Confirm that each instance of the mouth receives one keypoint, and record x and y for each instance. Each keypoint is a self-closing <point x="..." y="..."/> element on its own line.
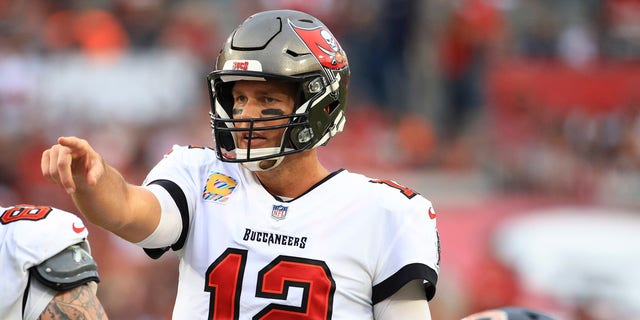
<point x="256" y="140"/>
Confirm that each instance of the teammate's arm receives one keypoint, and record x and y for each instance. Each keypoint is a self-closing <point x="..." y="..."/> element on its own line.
<point x="72" y="276"/>
<point x="99" y="191"/>
<point x="409" y="302"/>
<point x="77" y="303"/>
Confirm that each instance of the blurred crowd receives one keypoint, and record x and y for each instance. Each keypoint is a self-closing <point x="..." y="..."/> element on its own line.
<point x="455" y="86"/>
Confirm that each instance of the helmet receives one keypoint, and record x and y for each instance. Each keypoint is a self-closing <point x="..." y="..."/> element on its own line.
<point x="509" y="313"/>
<point x="281" y="45"/>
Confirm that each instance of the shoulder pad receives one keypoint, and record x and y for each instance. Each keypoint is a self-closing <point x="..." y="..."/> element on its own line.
<point x="68" y="269"/>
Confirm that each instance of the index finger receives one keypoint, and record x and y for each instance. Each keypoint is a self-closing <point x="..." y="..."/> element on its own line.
<point x="74" y="144"/>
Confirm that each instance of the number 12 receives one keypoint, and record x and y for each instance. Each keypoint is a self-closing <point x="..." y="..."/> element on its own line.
<point x="225" y="276"/>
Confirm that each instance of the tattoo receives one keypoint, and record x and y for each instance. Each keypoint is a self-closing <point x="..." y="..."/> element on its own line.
<point x="79" y="303"/>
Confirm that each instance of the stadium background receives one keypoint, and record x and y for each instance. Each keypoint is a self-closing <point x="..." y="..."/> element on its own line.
<point x="519" y="119"/>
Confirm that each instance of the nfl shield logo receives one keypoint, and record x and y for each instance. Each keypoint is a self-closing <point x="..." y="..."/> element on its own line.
<point x="279" y="212"/>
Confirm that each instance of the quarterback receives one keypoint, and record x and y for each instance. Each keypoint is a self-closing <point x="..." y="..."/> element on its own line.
<point x="262" y="229"/>
<point x="47" y="269"/>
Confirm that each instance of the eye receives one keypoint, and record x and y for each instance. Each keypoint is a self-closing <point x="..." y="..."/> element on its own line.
<point x="240" y="100"/>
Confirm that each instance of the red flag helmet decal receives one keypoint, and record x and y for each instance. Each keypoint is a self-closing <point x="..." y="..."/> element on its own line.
<point x="323" y="45"/>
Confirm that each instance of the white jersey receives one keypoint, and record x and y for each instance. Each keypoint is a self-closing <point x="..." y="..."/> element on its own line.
<point x="29" y="236"/>
<point x="332" y="253"/>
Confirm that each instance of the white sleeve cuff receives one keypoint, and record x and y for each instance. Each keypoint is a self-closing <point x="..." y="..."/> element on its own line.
<point x="409" y="302"/>
<point x="170" y="226"/>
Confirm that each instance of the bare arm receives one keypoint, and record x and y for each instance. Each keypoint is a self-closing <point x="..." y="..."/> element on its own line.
<point x="76" y="304"/>
<point x="99" y="191"/>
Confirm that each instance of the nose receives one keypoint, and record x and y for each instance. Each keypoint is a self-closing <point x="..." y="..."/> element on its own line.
<point x="248" y="110"/>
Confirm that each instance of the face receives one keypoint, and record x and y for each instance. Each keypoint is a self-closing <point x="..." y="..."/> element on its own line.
<point x="262" y="99"/>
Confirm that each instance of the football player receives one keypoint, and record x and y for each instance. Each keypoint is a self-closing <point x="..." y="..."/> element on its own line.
<point x="47" y="268"/>
<point x="263" y="230"/>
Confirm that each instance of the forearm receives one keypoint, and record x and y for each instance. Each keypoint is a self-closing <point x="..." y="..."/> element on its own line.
<point x="78" y="303"/>
<point x="127" y="210"/>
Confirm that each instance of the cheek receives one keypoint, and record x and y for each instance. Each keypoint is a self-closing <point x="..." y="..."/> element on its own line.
<point x="272" y="123"/>
<point x="274" y="135"/>
<point x="276" y="132"/>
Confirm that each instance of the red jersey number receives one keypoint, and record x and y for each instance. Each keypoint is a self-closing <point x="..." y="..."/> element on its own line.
<point x="409" y="193"/>
<point x="24" y="212"/>
<point x="224" y="281"/>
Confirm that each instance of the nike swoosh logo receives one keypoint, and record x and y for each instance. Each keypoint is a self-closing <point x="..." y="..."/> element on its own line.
<point x="432" y="213"/>
<point x="77" y="229"/>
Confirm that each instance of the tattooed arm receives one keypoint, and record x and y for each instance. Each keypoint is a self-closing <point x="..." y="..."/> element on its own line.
<point x="79" y="303"/>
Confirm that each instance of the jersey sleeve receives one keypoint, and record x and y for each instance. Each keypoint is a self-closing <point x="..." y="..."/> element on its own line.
<point x="38" y="239"/>
<point x="411" y="247"/>
<point x="30" y="236"/>
<point x="177" y="173"/>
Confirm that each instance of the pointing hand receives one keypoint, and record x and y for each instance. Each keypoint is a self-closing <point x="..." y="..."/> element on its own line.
<point x="72" y="162"/>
